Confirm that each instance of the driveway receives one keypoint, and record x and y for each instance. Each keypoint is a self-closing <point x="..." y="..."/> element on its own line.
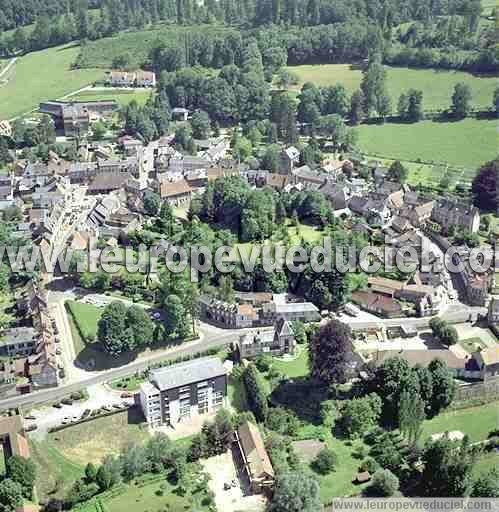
<point x="222" y="471"/>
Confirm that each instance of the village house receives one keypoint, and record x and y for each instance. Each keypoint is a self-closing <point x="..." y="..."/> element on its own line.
<point x="457" y="215"/>
<point x="488" y="362"/>
<point x="56" y="190"/>
<point x="255" y="459"/>
<point x="176" y="193"/>
<point x="310" y="179"/>
<point x="290" y="158"/>
<point x="235" y="316"/>
<point x="137" y="78"/>
<point x="276" y="342"/>
<point x="280" y="307"/>
<point x="179" y="393"/>
<point x="378" y="304"/>
<point x="18" y="342"/>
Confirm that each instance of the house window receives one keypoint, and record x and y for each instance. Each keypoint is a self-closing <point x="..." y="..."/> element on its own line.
<point x="218" y="399"/>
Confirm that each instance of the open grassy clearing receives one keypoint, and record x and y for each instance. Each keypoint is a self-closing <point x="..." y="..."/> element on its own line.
<point x="467" y="144"/>
<point x="485" y="463"/>
<point x="157" y="495"/>
<point x="93" y="440"/>
<point x="122" y="97"/>
<point x="55" y="472"/>
<point x="293" y="368"/>
<point x="136" y="45"/>
<point x="42" y="76"/>
<point x="437" y="86"/>
<point x="476" y="422"/>
<point x="86" y="317"/>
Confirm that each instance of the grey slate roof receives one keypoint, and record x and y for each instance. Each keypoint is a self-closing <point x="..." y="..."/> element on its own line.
<point x="187" y="373"/>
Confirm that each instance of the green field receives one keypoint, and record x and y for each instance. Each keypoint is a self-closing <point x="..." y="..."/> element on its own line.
<point x="437" y="86"/>
<point x="136" y="45"/>
<point x="122" y="97"/>
<point x="86" y="317"/>
<point x="476" y="422"/>
<point x="297" y="367"/>
<point x="468" y="143"/>
<point x="93" y="440"/>
<point x="41" y="76"/>
<point x="55" y="472"/>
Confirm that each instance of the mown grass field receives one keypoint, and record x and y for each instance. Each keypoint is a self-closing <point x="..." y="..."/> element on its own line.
<point x="476" y="422"/>
<point x="136" y="45"/>
<point x="41" y="76"/>
<point x="437" y="86"/>
<point x="122" y="97"/>
<point x="297" y="367"/>
<point x="86" y="317"/>
<point x="468" y="143"/>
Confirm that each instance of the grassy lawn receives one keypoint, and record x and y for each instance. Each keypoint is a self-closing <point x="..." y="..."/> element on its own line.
<point x="93" y="440"/>
<point x="237" y="394"/>
<point x="293" y="368"/>
<point x="151" y="493"/>
<point x="487" y="462"/>
<point x="55" y="472"/>
<point x="86" y="317"/>
<point x="468" y="143"/>
<point x="437" y="86"/>
<point x="339" y="482"/>
<point x="42" y="76"/>
<point x="151" y="497"/>
<point x="476" y="422"/>
<point x="127" y="384"/>
<point x="122" y="97"/>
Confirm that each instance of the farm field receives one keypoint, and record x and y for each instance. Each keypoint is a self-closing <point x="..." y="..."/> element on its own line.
<point x="468" y="143"/>
<point x="465" y="420"/>
<point x="122" y="97"/>
<point x="40" y="76"/>
<point x="136" y="45"/>
<point x="437" y="86"/>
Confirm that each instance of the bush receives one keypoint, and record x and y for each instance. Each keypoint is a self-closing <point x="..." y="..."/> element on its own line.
<point x="325" y="462"/>
<point x="369" y="465"/>
<point x="263" y="363"/>
<point x="384" y="484"/>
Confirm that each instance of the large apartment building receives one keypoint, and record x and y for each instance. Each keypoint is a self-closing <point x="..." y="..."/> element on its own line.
<point x="184" y="391"/>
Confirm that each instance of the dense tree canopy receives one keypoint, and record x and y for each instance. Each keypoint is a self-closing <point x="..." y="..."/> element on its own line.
<point x="330" y="348"/>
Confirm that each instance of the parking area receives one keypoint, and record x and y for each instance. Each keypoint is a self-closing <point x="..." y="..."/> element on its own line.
<point x="227" y="487"/>
<point x="48" y="417"/>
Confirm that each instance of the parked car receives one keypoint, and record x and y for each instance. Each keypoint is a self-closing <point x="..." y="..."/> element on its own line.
<point x="31" y="427"/>
<point x="30" y="417"/>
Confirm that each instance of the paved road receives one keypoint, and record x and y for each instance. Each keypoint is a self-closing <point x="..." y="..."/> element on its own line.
<point x="209" y="341"/>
